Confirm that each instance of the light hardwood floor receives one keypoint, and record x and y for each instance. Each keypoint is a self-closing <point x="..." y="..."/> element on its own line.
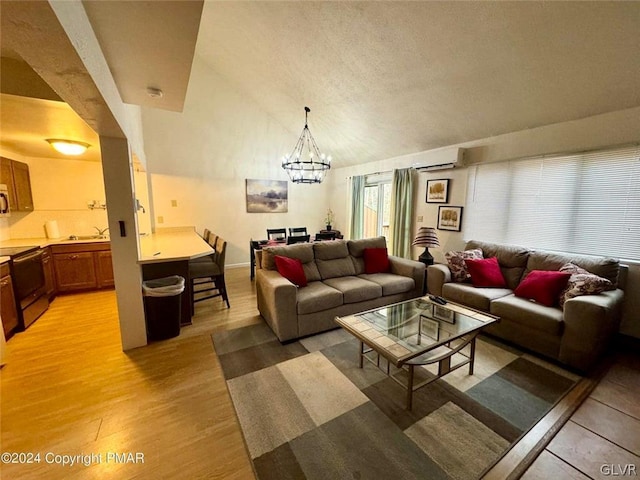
<point x="67" y="388"/>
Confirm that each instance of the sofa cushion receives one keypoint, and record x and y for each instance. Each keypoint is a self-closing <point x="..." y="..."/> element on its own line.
<point x="582" y="282"/>
<point x="512" y="259"/>
<point x="390" y="283"/>
<point x="376" y="260"/>
<point x="543" y="286"/>
<point x="356" y="250"/>
<point x="529" y="314"/>
<point x="291" y="269"/>
<point x="602" y="266"/>
<point x="332" y="259"/>
<point x="455" y="261"/>
<point x="317" y="296"/>
<point x="302" y="251"/>
<point x="485" y="272"/>
<point x="355" y="289"/>
<point x="478" y="298"/>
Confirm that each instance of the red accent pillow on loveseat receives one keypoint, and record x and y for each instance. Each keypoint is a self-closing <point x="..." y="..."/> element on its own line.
<point x="291" y="269"/>
<point x="376" y="260"/>
<point x="543" y="286"/>
<point x="485" y="273"/>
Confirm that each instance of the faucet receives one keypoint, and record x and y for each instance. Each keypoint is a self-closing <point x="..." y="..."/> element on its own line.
<point x="102" y="233"/>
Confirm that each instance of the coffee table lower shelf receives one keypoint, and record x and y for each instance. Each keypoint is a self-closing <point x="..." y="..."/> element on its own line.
<point x="441" y="355"/>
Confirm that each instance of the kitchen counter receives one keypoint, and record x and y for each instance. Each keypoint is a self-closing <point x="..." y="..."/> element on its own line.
<point x="43" y="242"/>
<point x="172" y="246"/>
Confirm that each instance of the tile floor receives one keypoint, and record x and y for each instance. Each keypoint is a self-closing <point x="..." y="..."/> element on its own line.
<point x="602" y="438"/>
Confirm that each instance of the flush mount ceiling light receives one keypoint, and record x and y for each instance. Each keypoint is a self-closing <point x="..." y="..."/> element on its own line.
<point x="68" y="147"/>
<point x="155" y="92"/>
<point x="306" y="164"/>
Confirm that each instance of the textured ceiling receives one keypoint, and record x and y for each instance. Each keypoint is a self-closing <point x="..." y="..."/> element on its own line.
<point x="384" y="79"/>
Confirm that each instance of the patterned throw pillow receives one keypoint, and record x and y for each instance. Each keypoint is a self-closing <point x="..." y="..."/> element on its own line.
<point x="582" y="282"/>
<point x="455" y="260"/>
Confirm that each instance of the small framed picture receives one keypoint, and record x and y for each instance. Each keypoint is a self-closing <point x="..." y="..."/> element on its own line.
<point x="438" y="191"/>
<point x="429" y="327"/>
<point x="443" y="314"/>
<point x="450" y="218"/>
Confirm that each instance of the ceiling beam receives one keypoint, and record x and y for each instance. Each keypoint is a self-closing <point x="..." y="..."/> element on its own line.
<point x="32" y="30"/>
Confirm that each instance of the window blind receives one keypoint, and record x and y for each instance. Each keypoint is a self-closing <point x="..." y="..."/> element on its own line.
<point x="582" y="203"/>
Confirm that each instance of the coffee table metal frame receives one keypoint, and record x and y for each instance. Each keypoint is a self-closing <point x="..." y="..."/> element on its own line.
<point x="440" y="352"/>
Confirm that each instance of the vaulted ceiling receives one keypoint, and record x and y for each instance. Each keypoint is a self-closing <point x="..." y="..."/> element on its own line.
<point x="389" y="78"/>
<point x="385" y="78"/>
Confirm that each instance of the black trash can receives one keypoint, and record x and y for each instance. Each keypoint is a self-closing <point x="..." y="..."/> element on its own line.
<point x="162" y="306"/>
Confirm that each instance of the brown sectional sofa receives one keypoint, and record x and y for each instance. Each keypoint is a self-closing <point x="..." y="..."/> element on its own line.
<point x="337" y="285"/>
<point x="575" y="335"/>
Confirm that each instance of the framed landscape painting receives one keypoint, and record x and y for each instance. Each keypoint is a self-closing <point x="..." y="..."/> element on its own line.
<point x="449" y="218"/>
<point x="267" y="196"/>
<point x="438" y="191"/>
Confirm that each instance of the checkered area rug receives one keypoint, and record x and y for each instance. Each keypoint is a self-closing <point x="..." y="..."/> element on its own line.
<point x="307" y="411"/>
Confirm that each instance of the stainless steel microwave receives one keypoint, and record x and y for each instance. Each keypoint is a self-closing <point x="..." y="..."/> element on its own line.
<point x="4" y="201"/>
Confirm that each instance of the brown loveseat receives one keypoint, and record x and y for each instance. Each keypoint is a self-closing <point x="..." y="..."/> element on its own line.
<point x="576" y="334"/>
<point x="337" y="285"/>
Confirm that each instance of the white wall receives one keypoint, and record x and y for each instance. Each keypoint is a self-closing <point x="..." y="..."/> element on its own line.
<point x="224" y="139"/>
<point x="61" y="190"/>
<point x="600" y="131"/>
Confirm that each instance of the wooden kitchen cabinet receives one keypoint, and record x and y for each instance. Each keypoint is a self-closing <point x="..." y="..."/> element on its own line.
<point x="16" y="176"/>
<point x="7" y="302"/>
<point x="104" y="269"/>
<point x="82" y="266"/>
<point x="49" y="275"/>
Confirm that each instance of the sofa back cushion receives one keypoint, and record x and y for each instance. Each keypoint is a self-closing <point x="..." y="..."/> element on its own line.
<point x="602" y="266"/>
<point x="332" y="259"/>
<point x="512" y="259"/>
<point x="301" y="251"/>
<point x="356" y="250"/>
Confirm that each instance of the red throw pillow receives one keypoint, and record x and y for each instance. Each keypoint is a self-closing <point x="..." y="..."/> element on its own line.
<point x="485" y="272"/>
<point x="376" y="260"/>
<point x="543" y="286"/>
<point x="291" y="269"/>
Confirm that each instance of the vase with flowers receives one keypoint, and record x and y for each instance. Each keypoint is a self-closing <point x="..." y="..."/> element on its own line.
<point x="328" y="220"/>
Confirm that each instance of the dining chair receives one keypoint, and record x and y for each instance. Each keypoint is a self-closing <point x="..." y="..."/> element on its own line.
<point x="297" y="231"/>
<point x="210" y="272"/>
<point x="291" y="239"/>
<point x="320" y="236"/>
<point x="276" y="233"/>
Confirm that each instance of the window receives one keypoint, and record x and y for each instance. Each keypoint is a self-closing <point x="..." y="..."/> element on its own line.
<point x="584" y="203"/>
<point x="377" y="206"/>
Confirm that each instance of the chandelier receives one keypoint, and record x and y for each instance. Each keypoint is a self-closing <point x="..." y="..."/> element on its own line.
<point x="306" y="164"/>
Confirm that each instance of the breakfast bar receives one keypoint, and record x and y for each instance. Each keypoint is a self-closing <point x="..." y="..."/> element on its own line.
<point x="167" y="252"/>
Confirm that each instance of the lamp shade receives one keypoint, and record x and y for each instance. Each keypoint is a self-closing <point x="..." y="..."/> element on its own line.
<point x="426" y="237"/>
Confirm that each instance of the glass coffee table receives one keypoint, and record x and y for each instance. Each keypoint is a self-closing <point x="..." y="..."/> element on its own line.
<point x="415" y="333"/>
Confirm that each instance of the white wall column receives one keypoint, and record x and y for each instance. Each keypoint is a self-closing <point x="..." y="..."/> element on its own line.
<point x="118" y="182"/>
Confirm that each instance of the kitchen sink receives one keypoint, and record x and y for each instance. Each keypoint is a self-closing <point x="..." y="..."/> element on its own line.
<point x="88" y="237"/>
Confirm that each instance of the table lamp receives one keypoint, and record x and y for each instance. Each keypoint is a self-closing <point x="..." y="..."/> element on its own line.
<point x="426" y="237"/>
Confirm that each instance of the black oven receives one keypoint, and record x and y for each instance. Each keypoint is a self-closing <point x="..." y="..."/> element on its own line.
<point x="27" y="274"/>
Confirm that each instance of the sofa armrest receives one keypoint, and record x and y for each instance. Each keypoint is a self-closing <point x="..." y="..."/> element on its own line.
<point x="590" y="321"/>
<point x="437" y="276"/>
<point x="409" y="268"/>
<point x="277" y="303"/>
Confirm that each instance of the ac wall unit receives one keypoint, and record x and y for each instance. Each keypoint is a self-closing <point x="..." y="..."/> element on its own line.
<point x="442" y="160"/>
